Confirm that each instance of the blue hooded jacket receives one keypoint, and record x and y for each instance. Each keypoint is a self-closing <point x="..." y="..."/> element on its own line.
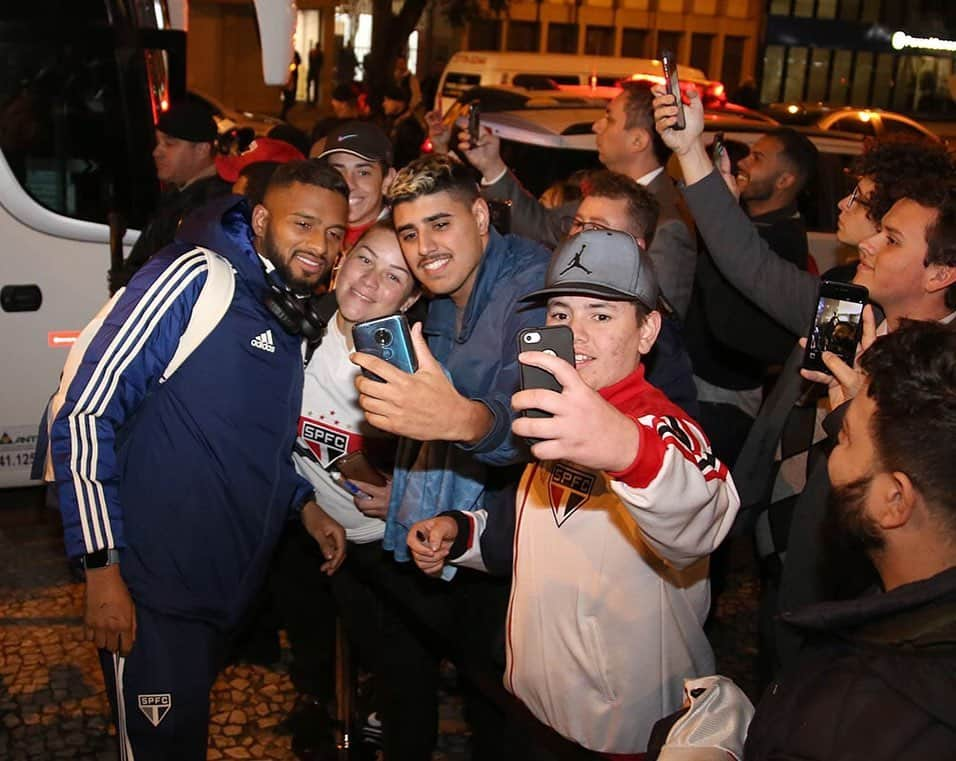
<point x="192" y="478"/>
<point x="481" y="357"/>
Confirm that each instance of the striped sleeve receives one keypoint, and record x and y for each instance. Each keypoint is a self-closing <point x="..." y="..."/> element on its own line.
<point x="681" y="496"/>
<point x="121" y="365"/>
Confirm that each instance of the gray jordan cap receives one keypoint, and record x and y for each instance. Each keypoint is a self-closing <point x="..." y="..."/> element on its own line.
<point x="603" y="263"/>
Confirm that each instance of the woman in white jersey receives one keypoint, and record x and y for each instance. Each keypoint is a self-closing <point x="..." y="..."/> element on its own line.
<point x="373" y="281"/>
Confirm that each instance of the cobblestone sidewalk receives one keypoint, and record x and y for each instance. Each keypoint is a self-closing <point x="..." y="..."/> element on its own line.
<point x="53" y="705"/>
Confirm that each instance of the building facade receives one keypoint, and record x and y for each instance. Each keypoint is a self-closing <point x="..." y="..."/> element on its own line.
<point x="893" y="54"/>
<point x="720" y="37"/>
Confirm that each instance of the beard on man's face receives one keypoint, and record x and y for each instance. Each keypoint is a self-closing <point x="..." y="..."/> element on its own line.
<point x="847" y="527"/>
<point x="283" y="265"/>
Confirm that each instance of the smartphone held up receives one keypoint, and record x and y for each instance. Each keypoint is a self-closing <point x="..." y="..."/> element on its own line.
<point x="837" y="324"/>
<point x="672" y="85"/>
<point x="558" y="341"/>
<point x="388" y="338"/>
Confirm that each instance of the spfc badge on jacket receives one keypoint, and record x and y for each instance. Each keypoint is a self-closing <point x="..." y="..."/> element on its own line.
<point x="155" y="707"/>
<point x="568" y="489"/>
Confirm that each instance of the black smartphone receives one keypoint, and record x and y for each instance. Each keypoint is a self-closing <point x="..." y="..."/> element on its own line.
<point x="718" y="149"/>
<point x="672" y="85"/>
<point x="388" y="338"/>
<point x="837" y="324"/>
<point x="474" y="123"/>
<point x="500" y="212"/>
<point x="557" y="340"/>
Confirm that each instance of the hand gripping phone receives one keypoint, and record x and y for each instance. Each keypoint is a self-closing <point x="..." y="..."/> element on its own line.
<point x="387" y="338"/>
<point x="558" y="341"/>
<point x="837" y="324"/>
<point x="672" y="85"/>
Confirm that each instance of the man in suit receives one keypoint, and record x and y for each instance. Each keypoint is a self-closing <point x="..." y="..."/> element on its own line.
<point x="628" y="144"/>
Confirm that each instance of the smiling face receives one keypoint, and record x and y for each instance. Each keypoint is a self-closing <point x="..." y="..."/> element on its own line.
<point x="374" y="280"/>
<point x="443" y="239"/>
<point x="892" y="260"/>
<point x="853" y="224"/>
<point x="608" y="341"/>
<point x="300" y="228"/>
<point x="759" y="170"/>
<point x="367" y="181"/>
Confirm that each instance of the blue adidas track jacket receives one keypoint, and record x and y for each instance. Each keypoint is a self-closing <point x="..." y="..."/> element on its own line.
<point x="192" y="479"/>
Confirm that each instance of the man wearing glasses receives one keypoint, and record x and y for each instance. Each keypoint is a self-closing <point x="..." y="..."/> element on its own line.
<point x="781" y="477"/>
<point x="613" y="201"/>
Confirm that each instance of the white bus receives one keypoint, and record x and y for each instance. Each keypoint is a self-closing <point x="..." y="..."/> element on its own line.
<point x="81" y="85"/>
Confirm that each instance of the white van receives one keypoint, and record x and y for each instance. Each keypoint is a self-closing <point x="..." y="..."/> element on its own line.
<point x="468" y="69"/>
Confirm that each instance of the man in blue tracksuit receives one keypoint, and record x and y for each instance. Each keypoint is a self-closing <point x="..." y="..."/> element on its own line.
<point x="174" y="491"/>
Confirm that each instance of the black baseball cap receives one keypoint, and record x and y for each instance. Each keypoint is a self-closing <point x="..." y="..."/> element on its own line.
<point x="363" y="139"/>
<point x="188" y="120"/>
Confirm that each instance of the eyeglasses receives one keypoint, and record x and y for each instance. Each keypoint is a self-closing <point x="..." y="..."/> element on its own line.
<point x="854" y="197"/>
<point x="575" y="225"/>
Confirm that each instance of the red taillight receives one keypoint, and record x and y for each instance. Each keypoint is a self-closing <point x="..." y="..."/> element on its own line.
<point x="717" y="90"/>
<point x="427" y="146"/>
<point x="164" y="105"/>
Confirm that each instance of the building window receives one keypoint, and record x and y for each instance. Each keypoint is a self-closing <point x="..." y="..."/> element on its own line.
<point x="780" y="7"/>
<point x="883" y="81"/>
<point x="862" y="73"/>
<point x="523" y="36"/>
<point x="732" y="65"/>
<point x="803" y="8"/>
<point x="633" y="42"/>
<point x="849" y="10"/>
<point x="599" y="40"/>
<point x="562" y="38"/>
<point x="796" y="74"/>
<point x="840" y="77"/>
<point x="668" y="41"/>
<point x="701" y="46"/>
<point x="772" y="74"/>
<point x="819" y="74"/>
<point x="871" y="10"/>
<point x="826" y="8"/>
<point x="484" y="34"/>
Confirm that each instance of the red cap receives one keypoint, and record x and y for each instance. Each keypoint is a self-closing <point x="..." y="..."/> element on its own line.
<point x="260" y="149"/>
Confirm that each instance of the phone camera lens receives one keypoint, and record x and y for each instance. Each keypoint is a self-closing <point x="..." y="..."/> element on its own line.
<point x="383" y="337"/>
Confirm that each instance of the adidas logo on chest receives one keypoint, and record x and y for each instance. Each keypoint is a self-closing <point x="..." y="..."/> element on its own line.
<point x="264" y="341"/>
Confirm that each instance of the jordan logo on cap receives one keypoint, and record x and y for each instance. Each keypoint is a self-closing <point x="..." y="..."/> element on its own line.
<point x="576" y="262"/>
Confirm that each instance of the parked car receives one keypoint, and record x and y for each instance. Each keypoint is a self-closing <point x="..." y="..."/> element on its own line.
<point x="545" y="145"/>
<point x="868" y="122"/>
<point x="468" y="69"/>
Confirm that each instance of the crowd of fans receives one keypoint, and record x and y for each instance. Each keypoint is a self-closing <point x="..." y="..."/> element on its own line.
<point x="554" y="545"/>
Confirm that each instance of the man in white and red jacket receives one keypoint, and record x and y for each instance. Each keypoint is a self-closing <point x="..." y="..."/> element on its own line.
<point x="609" y="533"/>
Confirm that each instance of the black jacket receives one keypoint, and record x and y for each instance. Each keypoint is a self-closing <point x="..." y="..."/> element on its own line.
<point x="877" y="680"/>
<point x="731" y="341"/>
<point x="161" y="229"/>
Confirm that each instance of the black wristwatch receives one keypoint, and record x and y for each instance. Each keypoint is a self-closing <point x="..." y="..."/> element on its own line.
<point x="101" y="559"/>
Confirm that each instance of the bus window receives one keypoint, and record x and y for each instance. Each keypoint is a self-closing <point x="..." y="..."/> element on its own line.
<point x="65" y="127"/>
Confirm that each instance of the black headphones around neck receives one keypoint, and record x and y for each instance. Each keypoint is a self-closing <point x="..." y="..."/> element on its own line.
<point x="297" y="315"/>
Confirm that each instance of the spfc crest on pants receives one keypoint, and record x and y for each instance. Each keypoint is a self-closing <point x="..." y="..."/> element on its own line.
<point x="568" y="489"/>
<point x="155" y="707"/>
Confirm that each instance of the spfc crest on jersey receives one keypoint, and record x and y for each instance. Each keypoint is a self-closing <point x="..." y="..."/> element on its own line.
<point x="155" y="707"/>
<point x="568" y="489"/>
<point x="325" y="441"/>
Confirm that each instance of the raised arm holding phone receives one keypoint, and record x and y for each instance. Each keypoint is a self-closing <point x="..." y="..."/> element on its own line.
<point x="609" y="530"/>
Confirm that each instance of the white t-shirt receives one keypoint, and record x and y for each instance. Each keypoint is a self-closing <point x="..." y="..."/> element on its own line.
<point x="331" y="425"/>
